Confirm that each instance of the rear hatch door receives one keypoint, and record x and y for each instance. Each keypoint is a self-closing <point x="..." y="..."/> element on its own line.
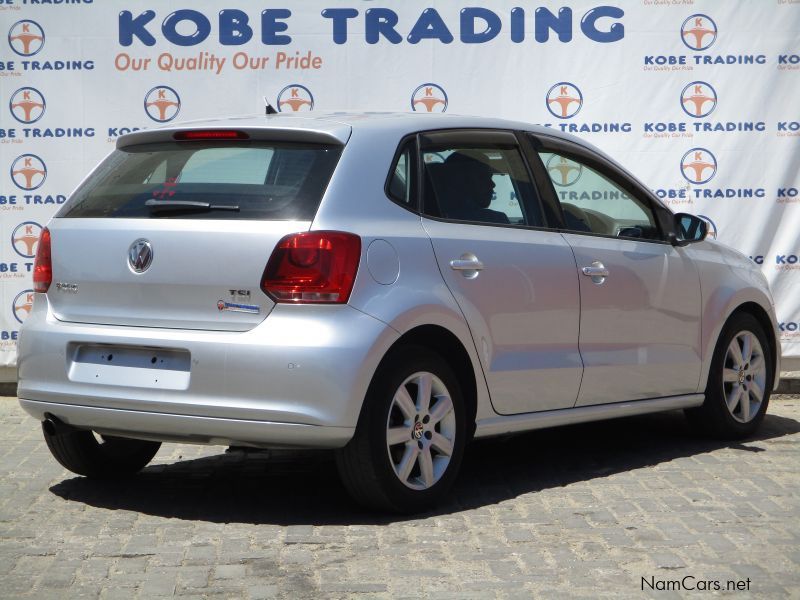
<point x="177" y="233"/>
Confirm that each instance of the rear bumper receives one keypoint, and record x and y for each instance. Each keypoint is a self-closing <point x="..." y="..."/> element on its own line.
<point x="297" y="379"/>
<point x="191" y="429"/>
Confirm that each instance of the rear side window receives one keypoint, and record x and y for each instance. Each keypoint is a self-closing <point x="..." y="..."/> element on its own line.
<point x="479" y="185"/>
<point x="201" y="180"/>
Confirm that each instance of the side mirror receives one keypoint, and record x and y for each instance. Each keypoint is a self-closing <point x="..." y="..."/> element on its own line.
<point x="688" y="229"/>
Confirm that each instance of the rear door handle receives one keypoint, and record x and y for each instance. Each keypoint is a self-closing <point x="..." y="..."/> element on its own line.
<point x="468" y="264"/>
<point x="598" y="272"/>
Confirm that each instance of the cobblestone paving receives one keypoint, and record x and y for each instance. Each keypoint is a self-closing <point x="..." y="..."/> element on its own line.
<point x="584" y="511"/>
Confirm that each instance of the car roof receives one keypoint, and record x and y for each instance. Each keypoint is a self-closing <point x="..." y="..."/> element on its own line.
<point x="337" y="126"/>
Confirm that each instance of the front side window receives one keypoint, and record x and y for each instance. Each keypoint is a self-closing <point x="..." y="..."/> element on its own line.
<point x="482" y="185"/>
<point x="593" y="203"/>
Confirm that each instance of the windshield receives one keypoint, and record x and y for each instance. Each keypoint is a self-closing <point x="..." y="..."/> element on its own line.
<point x="237" y="180"/>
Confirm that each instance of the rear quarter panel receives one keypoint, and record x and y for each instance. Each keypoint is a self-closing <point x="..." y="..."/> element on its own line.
<point x="407" y="293"/>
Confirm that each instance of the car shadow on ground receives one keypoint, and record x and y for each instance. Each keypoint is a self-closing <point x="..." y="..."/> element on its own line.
<point x="291" y="488"/>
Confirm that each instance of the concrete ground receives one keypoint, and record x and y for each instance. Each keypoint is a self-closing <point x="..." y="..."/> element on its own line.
<point x="633" y="508"/>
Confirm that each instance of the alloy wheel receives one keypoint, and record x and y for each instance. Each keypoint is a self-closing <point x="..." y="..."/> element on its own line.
<point x="420" y="430"/>
<point x="744" y="376"/>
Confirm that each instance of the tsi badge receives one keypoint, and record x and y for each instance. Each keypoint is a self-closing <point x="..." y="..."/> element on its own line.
<point x="238" y="302"/>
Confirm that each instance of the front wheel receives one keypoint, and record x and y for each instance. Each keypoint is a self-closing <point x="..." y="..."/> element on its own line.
<point x="410" y="438"/>
<point x="739" y="381"/>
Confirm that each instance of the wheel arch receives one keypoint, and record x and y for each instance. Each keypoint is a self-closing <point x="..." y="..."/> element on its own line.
<point x="764" y="318"/>
<point x="447" y="345"/>
<point x="757" y="311"/>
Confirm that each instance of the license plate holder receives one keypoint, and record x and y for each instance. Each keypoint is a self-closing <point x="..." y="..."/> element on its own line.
<point x="131" y="366"/>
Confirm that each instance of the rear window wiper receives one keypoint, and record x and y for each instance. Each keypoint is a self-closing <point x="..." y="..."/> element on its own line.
<point x="187" y="205"/>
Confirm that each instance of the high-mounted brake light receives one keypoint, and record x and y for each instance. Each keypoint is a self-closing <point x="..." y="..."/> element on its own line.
<point x="42" y="264"/>
<point x="210" y="134"/>
<point x="313" y="267"/>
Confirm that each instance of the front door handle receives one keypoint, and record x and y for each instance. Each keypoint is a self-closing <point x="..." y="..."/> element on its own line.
<point x="468" y="264"/>
<point x="598" y="272"/>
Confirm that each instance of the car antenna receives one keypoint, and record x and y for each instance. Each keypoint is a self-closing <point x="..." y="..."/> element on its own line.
<point x="270" y="109"/>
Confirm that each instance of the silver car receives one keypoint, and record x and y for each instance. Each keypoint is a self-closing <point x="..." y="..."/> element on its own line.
<point x="390" y="286"/>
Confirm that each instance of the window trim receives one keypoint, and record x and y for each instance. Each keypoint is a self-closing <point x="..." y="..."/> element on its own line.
<point x="545" y="143"/>
<point x="479" y="138"/>
<point x="542" y="182"/>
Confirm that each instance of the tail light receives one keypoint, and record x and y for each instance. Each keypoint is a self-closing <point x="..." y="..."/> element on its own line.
<point x="313" y="267"/>
<point x="43" y="265"/>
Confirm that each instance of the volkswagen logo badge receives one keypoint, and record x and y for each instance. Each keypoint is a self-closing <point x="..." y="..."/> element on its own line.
<point x="140" y="256"/>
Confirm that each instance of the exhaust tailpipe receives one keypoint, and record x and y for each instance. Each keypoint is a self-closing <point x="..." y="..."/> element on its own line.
<point x="54" y="426"/>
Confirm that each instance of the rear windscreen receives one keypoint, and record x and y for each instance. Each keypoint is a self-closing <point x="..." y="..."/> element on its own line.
<point x="207" y="180"/>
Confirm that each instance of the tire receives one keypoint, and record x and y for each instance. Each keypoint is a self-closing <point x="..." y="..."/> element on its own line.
<point x="739" y="383"/>
<point x="384" y="466"/>
<point x="113" y="457"/>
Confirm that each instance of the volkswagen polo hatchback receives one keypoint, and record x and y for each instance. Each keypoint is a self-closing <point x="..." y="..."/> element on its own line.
<point x="389" y="286"/>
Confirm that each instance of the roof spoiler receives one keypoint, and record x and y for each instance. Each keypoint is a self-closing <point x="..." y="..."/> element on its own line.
<point x="294" y="131"/>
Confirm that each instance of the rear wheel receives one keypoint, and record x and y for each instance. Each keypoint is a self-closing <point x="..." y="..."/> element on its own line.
<point x="100" y="457"/>
<point x="410" y="438"/>
<point x="739" y="381"/>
